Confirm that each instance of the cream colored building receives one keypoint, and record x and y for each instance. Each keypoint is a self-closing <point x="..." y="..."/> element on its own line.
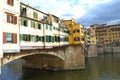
<point x="38" y="29"/>
<point x="9" y="10"/>
<point x="1" y="38"/>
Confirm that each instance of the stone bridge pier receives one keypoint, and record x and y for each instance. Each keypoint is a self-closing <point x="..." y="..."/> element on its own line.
<point x="58" y="58"/>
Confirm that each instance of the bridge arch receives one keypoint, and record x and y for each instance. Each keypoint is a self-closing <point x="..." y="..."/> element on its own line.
<point x="44" y="61"/>
<point x="41" y="60"/>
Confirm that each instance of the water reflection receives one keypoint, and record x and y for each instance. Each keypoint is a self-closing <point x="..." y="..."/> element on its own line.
<point x="11" y="71"/>
<point x="105" y="67"/>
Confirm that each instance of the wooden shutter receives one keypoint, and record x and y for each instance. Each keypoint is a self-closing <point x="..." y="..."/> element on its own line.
<point x="8" y="20"/>
<point x="12" y="2"/>
<point x="8" y="1"/>
<point x="14" y="20"/>
<point x="14" y="38"/>
<point x="4" y="37"/>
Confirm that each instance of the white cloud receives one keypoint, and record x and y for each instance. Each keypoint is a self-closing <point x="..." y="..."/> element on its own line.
<point x="76" y="8"/>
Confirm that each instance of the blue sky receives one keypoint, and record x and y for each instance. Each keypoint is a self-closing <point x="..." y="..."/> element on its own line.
<point x="86" y="12"/>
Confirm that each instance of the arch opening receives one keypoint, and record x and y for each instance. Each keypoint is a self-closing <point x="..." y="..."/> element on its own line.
<point x="44" y="61"/>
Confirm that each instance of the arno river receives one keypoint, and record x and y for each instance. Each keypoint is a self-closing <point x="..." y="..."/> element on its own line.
<point x="104" y="67"/>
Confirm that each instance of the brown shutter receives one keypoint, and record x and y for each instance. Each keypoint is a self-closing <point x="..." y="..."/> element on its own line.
<point x="4" y="37"/>
<point x="8" y="18"/>
<point x="8" y="1"/>
<point x="12" y="2"/>
<point x="14" y="20"/>
<point x="14" y="38"/>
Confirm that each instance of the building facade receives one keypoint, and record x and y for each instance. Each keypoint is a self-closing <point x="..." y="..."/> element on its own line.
<point x="87" y="36"/>
<point x="108" y="34"/>
<point x="92" y="35"/>
<point x="40" y="30"/>
<point x="76" y="32"/>
<point x="9" y="26"/>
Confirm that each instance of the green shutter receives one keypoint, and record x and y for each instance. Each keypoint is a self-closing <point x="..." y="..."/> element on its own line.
<point x="43" y="39"/>
<point x="46" y="26"/>
<point x="29" y="37"/>
<point x="37" y="38"/>
<point x="47" y="38"/>
<point x="51" y="28"/>
<point x="32" y="24"/>
<point x="21" y="37"/>
<point x="53" y="39"/>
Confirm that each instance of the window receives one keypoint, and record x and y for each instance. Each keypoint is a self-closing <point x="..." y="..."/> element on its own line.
<point x="43" y="39"/>
<point x="76" y="31"/>
<point x="51" y="28"/>
<point x="23" y="11"/>
<point x="54" y="28"/>
<point x="24" y="22"/>
<point x="46" y="26"/>
<point x="10" y="2"/>
<point x="32" y="24"/>
<point x="38" y="38"/>
<point x="26" y="37"/>
<point x="9" y="37"/>
<point x="11" y="19"/>
<point x="47" y="38"/>
<point x="35" y="15"/>
<point x="45" y="17"/>
<point x="39" y="26"/>
<point x="76" y="39"/>
<point x="32" y="38"/>
<point x="56" y="39"/>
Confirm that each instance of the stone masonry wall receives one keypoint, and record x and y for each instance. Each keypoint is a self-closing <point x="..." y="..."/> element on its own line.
<point x="92" y="51"/>
<point x="75" y="58"/>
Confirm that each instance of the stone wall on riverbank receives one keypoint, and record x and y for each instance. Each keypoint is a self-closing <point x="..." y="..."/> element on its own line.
<point x="108" y="49"/>
<point x="94" y="50"/>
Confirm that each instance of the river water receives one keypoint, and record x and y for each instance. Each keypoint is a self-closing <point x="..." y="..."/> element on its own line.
<point x="104" y="67"/>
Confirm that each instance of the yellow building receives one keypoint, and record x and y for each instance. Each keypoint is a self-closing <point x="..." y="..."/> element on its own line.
<point x="76" y="32"/>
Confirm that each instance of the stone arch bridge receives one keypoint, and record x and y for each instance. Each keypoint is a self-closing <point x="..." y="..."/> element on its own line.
<point x="61" y="58"/>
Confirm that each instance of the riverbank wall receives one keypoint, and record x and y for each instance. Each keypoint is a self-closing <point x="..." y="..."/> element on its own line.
<point x="94" y="50"/>
<point x="108" y="49"/>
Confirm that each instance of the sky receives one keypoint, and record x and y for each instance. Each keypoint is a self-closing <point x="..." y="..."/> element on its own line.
<point x="86" y="12"/>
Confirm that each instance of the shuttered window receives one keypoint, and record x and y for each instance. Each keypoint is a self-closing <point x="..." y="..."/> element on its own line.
<point x="37" y="38"/>
<point x="53" y="39"/>
<point x="43" y="39"/>
<point x="47" y="38"/>
<point x="21" y="37"/>
<point x="10" y="2"/>
<point x="11" y="19"/>
<point x="39" y="26"/>
<point x="35" y="15"/>
<point x="9" y="37"/>
<point x="32" y="24"/>
<point x="46" y="27"/>
<point x="24" y="22"/>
